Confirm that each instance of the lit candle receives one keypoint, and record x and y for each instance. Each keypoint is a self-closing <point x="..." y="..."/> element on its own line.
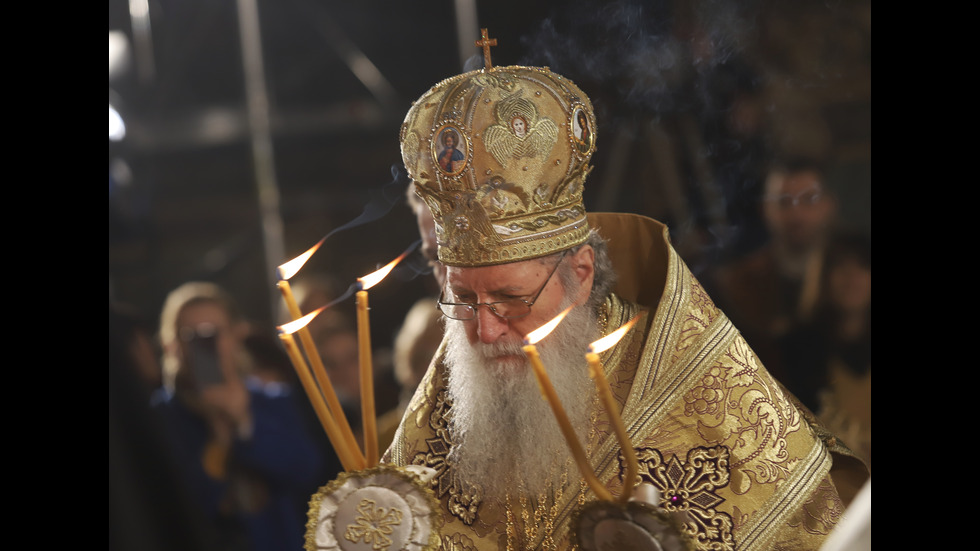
<point x="369" y="421"/>
<point x="367" y="380"/>
<point x="548" y="393"/>
<point x="605" y="394"/>
<point x="287" y="271"/>
<point x="349" y="458"/>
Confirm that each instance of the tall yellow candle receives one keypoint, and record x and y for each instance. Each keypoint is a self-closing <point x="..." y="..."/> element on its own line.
<point x="346" y="455"/>
<point x="605" y="394"/>
<point x="548" y="393"/>
<point x="368" y="420"/>
<point x="322" y="378"/>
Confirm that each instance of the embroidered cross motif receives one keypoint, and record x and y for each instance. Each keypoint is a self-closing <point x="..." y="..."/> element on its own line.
<point x="373" y="525"/>
<point x="691" y="486"/>
<point x="463" y="503"/>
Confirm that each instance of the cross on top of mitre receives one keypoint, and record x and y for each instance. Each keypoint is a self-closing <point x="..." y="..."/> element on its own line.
<point x="485" y="42"/>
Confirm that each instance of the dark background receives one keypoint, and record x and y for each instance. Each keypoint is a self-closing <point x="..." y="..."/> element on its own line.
<point x="665" y="79"/>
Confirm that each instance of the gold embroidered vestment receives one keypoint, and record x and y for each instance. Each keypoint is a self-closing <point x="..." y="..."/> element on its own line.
<point x="713" y="431"/>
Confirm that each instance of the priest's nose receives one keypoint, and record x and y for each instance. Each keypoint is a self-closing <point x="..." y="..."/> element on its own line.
<point x="490" y="326"/>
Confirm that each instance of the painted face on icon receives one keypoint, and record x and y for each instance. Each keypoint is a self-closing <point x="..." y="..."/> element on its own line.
<point x="449" y="140"/>
<point x="519" y="126"/>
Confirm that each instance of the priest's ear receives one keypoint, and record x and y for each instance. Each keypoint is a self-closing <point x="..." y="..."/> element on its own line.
<point x="582" y="264"/>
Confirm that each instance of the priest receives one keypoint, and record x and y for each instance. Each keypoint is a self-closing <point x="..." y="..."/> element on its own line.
<point x="723" y="442"/>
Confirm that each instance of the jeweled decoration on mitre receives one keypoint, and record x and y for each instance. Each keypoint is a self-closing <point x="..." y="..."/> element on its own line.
<point x="500" y="156"/>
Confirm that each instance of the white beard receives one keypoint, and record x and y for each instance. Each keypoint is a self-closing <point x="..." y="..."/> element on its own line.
<point x="505" y="432"/>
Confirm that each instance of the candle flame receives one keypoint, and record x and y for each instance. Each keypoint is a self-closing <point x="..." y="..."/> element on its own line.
<point x="607" y="342"/>
<point x="375" y="277"/>
<point x="289" y="269"/>
<point x="296" y="325"/>
<point x="541" y="332"/>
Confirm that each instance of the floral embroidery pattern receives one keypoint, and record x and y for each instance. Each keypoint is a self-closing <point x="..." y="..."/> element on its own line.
<point x="737" y="408"/>
<point x="821" y="511"/>
<point x="692" y="486"/>
<point x="699" y="316"/>
<point x="373" y="525"/>
<point x="462" y="503"/>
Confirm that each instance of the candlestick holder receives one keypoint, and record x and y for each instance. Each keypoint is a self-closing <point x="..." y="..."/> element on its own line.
<point x="383" y="507"/>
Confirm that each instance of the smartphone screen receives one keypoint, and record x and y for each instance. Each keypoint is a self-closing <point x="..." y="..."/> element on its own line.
<point x="203" y="352"/>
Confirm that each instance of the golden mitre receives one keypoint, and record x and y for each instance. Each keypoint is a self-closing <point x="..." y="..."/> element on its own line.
<point x="500" y="156"/>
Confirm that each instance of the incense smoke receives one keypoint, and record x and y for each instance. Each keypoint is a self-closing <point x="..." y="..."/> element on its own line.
<point x="671" y="69"/>
<point x="642" y="56"/>
<point x="380" y="202"/>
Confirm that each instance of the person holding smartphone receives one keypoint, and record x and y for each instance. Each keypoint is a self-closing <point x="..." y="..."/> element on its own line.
<point x="244" y="444"/>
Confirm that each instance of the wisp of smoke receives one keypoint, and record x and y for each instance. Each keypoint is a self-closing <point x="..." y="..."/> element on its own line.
<point x="380" y="203"/>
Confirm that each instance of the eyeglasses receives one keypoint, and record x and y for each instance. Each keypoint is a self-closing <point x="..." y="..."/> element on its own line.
<point x="508" y="309"/>
<point x="786" y="200"/>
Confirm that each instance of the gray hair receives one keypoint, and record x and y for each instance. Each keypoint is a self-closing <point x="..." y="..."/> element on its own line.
<point x="604" y="278"/>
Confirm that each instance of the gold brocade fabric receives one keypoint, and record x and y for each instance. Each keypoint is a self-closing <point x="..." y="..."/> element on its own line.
<point x="500" y="156"/>
<point x="711" y="428"/>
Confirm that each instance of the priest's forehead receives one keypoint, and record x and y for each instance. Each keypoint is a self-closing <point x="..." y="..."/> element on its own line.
<point x="511" y="279"/>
